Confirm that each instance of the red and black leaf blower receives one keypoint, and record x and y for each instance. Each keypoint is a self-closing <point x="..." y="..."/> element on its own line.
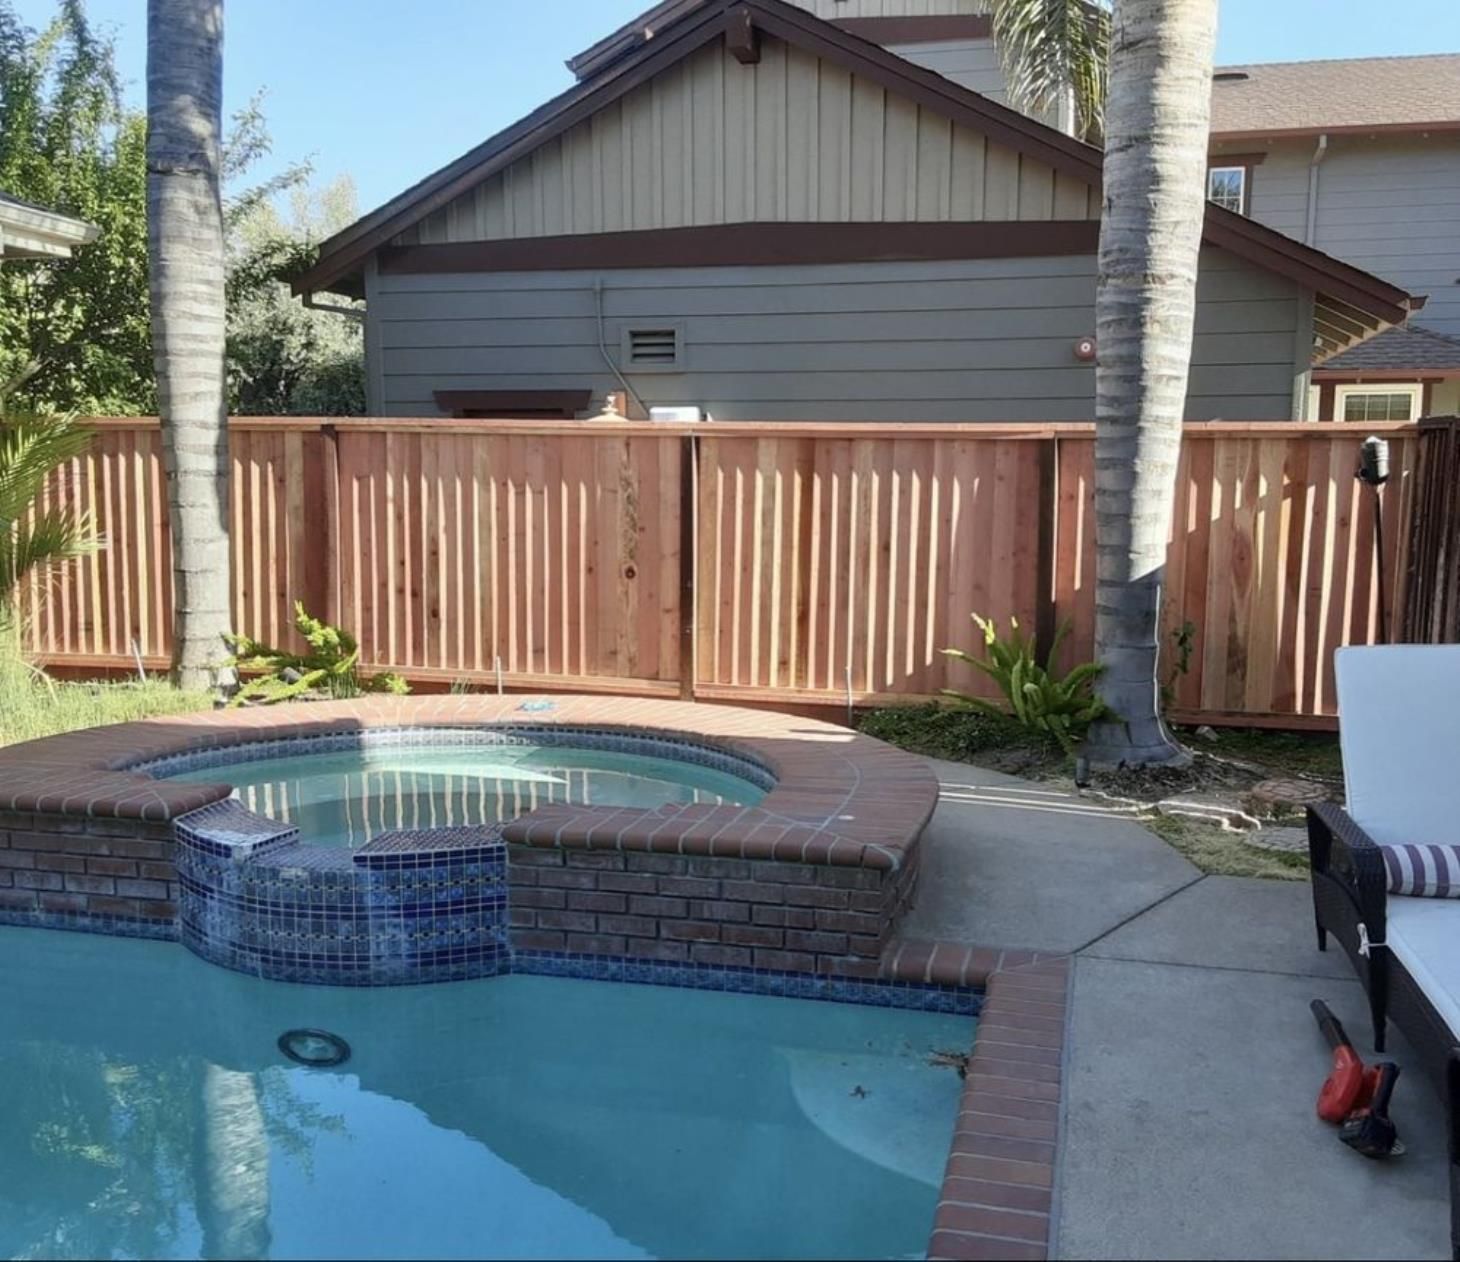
<point x="1355" y="1097"/>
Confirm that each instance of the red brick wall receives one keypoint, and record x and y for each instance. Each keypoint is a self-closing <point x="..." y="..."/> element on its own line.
<point x="792" y="916"/>
<point x="53" y="864"/>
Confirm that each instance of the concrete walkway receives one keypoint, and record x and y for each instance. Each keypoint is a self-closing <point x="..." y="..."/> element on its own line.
<point x="1193" y="1061"/>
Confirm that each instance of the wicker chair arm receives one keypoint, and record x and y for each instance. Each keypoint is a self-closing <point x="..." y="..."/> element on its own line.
<point x="1341" y="849"/>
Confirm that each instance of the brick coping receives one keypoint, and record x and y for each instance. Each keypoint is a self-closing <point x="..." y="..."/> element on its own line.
<point x="998" y="1186"/>
<point x="840" y="798"/>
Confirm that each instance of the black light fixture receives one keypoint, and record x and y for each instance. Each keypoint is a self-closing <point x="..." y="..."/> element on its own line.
<point x="1374" y="461"/>
<point x="1373" y="472"/>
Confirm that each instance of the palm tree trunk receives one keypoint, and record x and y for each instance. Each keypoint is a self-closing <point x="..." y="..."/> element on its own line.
<point x="185" y="251"/>
<point x="1156" y="126"/>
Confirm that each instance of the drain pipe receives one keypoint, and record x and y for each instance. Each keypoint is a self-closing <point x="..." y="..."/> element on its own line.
<point x="629" y="391"/>
<point x="1320" y="151"/>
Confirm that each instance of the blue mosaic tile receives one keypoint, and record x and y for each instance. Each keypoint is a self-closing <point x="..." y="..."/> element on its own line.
<point x="954" y="1000"/>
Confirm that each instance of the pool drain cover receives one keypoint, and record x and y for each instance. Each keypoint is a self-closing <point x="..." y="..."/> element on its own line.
<point x="317" y="1048"/>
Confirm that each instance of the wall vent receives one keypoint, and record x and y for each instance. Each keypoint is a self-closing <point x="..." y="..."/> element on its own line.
<point x="650" y="348"/>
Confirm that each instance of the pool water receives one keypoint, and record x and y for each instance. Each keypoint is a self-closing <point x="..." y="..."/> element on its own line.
<point x="348" y="798"/>
<point x="145" y="1111"/>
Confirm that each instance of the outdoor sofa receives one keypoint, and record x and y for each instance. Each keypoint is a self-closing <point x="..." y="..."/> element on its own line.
<point x="1399" y="727"/>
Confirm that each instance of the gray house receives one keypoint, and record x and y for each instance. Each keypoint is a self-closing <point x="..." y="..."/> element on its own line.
<point x="1361" y="159"/>
<point x="814" y="212"/>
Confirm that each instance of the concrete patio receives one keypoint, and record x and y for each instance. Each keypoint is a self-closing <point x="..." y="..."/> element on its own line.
<point x="1192" y="1061"/>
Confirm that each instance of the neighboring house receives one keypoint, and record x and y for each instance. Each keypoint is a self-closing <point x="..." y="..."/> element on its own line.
<point x="1360" y="159"/>
<point x="754" y="210"/>
<point x="28" y="231"/>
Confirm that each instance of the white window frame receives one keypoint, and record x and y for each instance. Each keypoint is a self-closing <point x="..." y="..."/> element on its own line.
<point x="1414" y="389"/>
<point x="1241" y="207"/>
<point x="1315" y="402"/>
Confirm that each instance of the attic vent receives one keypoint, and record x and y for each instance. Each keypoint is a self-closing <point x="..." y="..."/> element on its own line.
<point x="658" y="347"/>
<point x="1231" y="76"/>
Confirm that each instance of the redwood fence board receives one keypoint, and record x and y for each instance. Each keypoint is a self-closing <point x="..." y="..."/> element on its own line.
<point x="816" y="559"/>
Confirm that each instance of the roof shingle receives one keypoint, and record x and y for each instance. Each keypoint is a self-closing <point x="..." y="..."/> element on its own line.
<point x="1402" y="349"/>
<point x="1350" y="94"/>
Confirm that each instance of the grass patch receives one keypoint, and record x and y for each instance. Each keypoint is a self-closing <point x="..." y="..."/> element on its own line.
<point x="1280" y="753"/>
<point x="33" y="706"/>
<point x="954" y="734"/>
<point x="1220" y="853"/>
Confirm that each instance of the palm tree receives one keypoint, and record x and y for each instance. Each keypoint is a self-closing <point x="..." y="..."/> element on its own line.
<point x="1156" y="126"/>
<point x="1055" y="55"/>
<point x="36" y="539"/>
<point x="185" y="252"/>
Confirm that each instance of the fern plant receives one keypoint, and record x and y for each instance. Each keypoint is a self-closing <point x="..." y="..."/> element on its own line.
<point x="330" y="668"/>
<point x="1061" y="708"/>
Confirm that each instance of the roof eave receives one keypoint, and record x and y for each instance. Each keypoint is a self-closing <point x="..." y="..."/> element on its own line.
<point x="1341" y="129"/>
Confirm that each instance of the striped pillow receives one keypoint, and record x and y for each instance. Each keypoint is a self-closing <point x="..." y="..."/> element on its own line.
<point x="1427" y="871"/>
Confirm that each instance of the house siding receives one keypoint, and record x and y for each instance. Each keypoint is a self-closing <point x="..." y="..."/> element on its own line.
<point x="789" y="139"/>
<point x="970" y="340"/>
<point x="1390" y="206"/>
<point x="971" y="63"/>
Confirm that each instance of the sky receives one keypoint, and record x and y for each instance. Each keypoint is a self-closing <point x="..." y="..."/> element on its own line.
<point x="387" y="91"/>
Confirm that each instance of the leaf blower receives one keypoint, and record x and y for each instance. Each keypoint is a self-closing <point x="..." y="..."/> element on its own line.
<point x="1355" y="1097"/>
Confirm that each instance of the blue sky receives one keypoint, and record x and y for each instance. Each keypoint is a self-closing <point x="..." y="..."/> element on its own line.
<point x="388" y="91"/>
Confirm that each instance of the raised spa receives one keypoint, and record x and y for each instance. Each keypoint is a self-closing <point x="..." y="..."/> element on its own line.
<point x="349" y="797"/>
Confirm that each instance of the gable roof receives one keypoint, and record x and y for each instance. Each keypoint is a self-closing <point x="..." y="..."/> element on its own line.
<point x="1411" y="351"/>
<point x="1350" y="95"/>
<point x="1366" y="300"/>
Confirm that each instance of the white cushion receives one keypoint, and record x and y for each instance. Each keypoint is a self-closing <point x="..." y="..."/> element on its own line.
<point x="1424" y="935"/>
<point x="1399" y="725"/>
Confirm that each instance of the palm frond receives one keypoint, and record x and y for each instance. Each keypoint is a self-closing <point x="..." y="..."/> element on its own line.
<point x="31" y="449"/>
<point x="1050" y="47"/>
<point x="40" y="543"/>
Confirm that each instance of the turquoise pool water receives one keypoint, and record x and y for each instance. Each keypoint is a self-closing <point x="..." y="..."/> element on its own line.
<point x="348" y="798"/>
<point x="145" y="1111"/>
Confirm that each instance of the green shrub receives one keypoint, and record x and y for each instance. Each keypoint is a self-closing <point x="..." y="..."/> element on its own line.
<point x="1063" y="708"/>
<point x="330" y="668"/>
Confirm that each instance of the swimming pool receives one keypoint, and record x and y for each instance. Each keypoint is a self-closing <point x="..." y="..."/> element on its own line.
<point x="347" y="798"/>
<point x="149" y="1113"/>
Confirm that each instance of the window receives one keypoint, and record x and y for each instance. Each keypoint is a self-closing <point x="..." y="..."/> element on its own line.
<point x="653" y="348"/>
<point x="1377" y="403"/>
<point x="1227" y="187"/>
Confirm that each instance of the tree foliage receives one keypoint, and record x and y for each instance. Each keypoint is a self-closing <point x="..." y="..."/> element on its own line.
<point x="67" y="143"/>
<point x="79" y="329"/>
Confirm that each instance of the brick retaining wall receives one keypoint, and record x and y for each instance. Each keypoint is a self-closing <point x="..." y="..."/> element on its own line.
<point x="698" y="909"/>
<point x="114" y="873"/>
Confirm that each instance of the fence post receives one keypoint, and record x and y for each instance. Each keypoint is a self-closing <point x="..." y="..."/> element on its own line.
<point x="688" y="602"/>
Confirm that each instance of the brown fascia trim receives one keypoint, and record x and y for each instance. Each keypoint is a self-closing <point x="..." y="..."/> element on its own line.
<point x="346" y="249"/>
<point x="1345" y="376"/>
<point x="629" y="36"/>
<point x="1311" y="268"/>
<point x="751" y="245"/>
<point x="342" y="252"/>
<point x="918" y="30"/>
<point x="1346" y="129"/>
<point x="1244" y="237"/>
<point x="569" y="401"/>
<point x="1216" y="159"/>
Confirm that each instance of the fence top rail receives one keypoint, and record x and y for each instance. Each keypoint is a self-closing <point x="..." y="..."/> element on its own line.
<point x="929" y="430"/>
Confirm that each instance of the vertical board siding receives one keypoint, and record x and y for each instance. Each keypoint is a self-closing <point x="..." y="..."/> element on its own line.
<point x="791" y="138"/>
<point x="824" y="557"/>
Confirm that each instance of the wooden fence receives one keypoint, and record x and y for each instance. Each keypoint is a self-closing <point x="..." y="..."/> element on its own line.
<point x="1432" y="607"/>
<point x="789" y="563"/>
